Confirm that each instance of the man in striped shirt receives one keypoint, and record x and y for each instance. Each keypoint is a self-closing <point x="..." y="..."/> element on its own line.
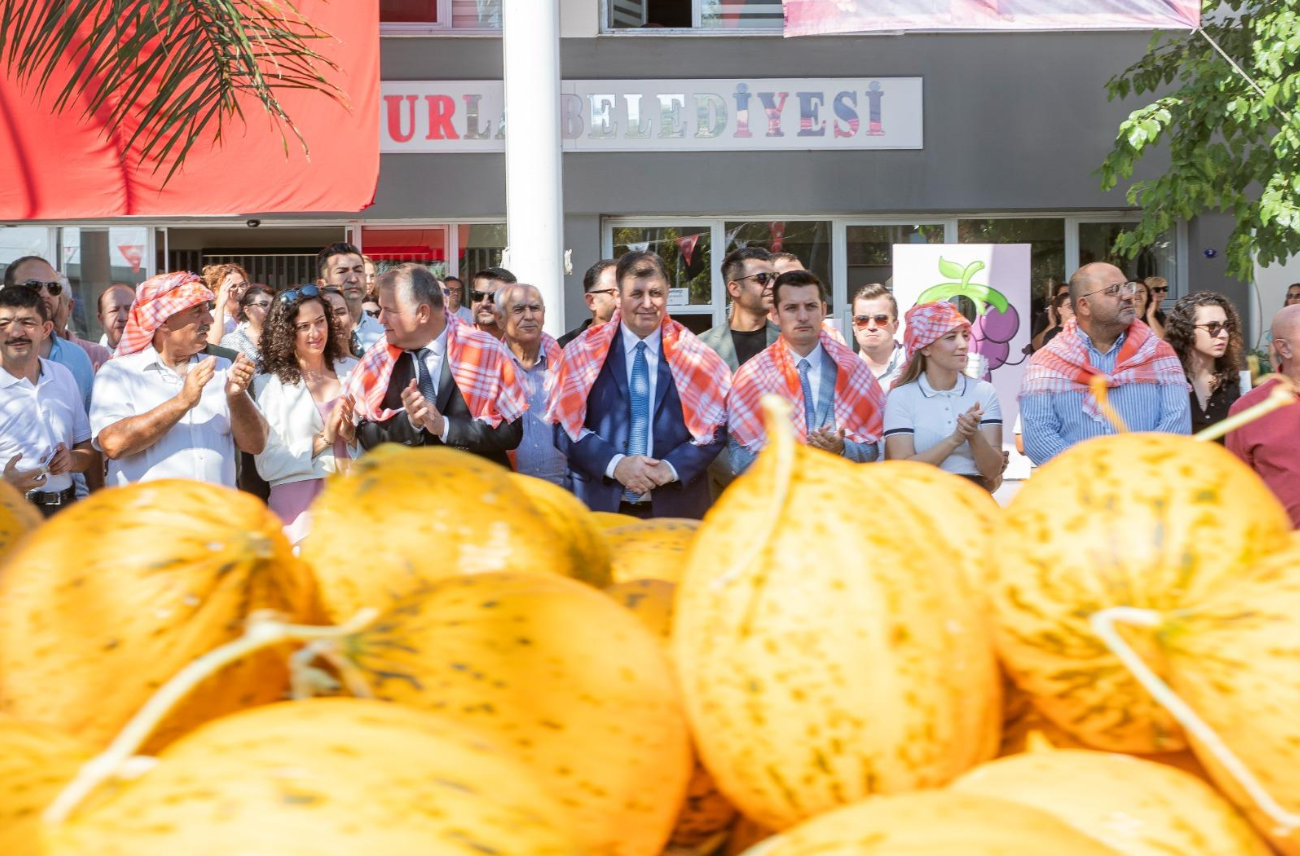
<point x="1147" y="387"/>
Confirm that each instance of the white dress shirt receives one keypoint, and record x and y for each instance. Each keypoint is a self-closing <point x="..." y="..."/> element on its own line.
<point x="815" y="358"/>
<point x="36" y="419"/>
<point x="200" y="446"/>
<point x="433" y="357"/>
<point x="653" y="343"/>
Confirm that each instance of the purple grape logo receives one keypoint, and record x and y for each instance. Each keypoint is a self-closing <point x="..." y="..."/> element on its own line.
<point x="996" y="321"/>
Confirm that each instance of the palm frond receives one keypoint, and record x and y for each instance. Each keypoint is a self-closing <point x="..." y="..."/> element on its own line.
<point x="170" y="72"/>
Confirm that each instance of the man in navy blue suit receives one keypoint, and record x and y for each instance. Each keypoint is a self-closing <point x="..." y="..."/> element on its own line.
<point x="639" y="404"/>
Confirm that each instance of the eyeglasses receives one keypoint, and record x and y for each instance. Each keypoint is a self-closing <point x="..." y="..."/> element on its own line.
<point x="54" y="288"/>
<point x="1159" y="289"/>
<point x="1128" y="289"/>
<point x="257" y="304"/>
<point x="373" y="313"/>
<point x="860" y="321"/>
<point x="489" y="296"/>
<point x="762" y="277"/>
<point x="1214" y="328"/>
<point x="294" y="293"/>
<point x="603" y="291"/>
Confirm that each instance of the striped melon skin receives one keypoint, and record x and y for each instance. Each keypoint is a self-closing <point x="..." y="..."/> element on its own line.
<point x="1235" y="658"/>
<point x="933" y="823"/>
<point x="1135" y="807"/>
<point x="650" y="549"/>
<point x="36" y="762"/>
<point x="114" y="595"/>
<point x="1143" y="520"/>
<point x="846" y="658"/>
<point x="561" y="675"/>
<point x="706" y="811"/>
<point x="573" y="524"/>
<point x="402" y="517"/>
<point x="17" y="517"/>
<point x="324" y="777"/>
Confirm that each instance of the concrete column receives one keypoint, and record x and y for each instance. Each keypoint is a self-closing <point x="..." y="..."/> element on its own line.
<point x="534" y="181"/>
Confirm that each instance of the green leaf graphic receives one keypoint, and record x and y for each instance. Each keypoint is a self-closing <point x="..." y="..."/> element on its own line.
<point x="952" y="270"/>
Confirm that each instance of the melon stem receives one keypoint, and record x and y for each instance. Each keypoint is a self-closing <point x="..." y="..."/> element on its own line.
<point x="781" y="446"/>
<point x="1103" y="624"/>
<point x="1097" y="386"/>
<point x="261" y="632"/>
<point x="1280" y="396"/>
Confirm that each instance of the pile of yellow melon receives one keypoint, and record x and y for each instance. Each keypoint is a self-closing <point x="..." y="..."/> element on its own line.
<point x="839" y="660"/>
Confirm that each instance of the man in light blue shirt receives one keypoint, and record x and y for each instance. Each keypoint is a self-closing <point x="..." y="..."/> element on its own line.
<point x="537" y="357"/>
<point x="1147" y="387"/>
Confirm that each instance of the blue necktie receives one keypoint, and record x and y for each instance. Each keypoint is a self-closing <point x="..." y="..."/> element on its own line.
<point x="808" y="404"/>
<point x="640" y="391"/>
<point x="423" y="380"/>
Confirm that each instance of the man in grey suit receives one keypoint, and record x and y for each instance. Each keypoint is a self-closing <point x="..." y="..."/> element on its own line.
<point x="839" y="406"/>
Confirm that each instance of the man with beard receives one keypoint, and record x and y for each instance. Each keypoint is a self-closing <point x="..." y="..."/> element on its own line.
<point x="164" y="410"/>
<point x="44" y="433"/>
<point x="342" y="266"/>
<point x="1147" y="386"/>
<point x="483" y="288"/>
<point x="38" y="274"/>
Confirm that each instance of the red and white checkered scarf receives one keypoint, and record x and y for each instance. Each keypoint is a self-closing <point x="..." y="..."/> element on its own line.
<point x="554" y="354"/>
<point x="1062" y="365"/>
<point x="157" y="299"/>
<point x="482" y="369"/>
<point x="701" y="377"/>
<point x="927" y="323"/>
<point x="859" y="401"/>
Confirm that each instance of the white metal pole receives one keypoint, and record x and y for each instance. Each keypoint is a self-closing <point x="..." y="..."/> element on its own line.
<point x="534" y="181"/>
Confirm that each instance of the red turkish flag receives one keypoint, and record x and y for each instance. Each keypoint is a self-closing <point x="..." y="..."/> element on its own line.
<point x="778" y="236"/>
<point x="686" y="246"/>
<point x="134" y="255"/>
<point x="60" y="166"/>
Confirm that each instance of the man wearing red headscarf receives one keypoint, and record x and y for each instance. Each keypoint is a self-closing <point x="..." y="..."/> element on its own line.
<point x="161" y="409"/>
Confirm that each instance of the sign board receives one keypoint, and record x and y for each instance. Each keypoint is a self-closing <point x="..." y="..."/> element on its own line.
<point x="824" y="114"/>
<point x="991" y="283"/>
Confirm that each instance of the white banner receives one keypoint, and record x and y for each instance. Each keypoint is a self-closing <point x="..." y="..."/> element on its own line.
<point x="995" y="281"/>
<point x="665" y="115"/>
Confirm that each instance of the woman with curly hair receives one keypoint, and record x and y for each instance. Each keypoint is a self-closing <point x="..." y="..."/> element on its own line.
<point x="228" y="281"/>
<point x="301" y="394"/>
<point x="1205" y="331"/>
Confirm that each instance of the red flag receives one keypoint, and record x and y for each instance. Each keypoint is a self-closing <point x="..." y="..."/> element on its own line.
<point x="134" y="255"/>
<point x="778" y="236"/>
<point x="686" y="246"/>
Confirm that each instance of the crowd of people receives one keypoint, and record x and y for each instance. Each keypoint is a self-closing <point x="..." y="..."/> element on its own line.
<point x="213" y="378"/>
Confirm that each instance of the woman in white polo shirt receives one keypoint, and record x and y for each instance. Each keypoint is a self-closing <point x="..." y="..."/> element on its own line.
<point x="935" y="413"/>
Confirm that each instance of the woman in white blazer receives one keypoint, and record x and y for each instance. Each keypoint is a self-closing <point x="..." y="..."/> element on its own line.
<point x="306" y="366"/>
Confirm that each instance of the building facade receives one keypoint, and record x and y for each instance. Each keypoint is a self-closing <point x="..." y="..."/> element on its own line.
<point x="996" y="138"/>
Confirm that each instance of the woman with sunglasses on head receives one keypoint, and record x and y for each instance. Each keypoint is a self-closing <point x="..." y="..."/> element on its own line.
<point x="301" y="394"/>
<point x="253" y="307"/>
<point x="1151" y="291"/>
<point x="1205" y="331"/>
<point x="875" y="323"/>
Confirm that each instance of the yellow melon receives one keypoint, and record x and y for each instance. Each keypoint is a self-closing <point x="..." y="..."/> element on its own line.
<point x="1142" y="520"/>
<point x="827" y="653"/>
<point x="933" y="823"/>
<point x="36" y="762"/>
<point x="17" y="517"/>
<point x="573" y="523"/>
<point x="1136" y="807"/>
<point x="650" y="549"/>
<point x="403" y="517"/>
<point x="744" y="835"/>
<point x="113" y="595"/>
<point x="561" y="675"/>
<point x="610" y="520"/>
<point x="651" y="601"/>
<point x="325" y="777"/>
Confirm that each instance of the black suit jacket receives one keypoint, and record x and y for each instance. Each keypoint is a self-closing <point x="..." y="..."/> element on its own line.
<point x="464" y="432"/>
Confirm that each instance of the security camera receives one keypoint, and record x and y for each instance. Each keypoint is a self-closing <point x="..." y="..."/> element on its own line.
<point x="253" y="224"/>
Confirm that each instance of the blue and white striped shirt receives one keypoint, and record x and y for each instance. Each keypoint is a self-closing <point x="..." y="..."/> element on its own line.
<point x="1053" y="422"/>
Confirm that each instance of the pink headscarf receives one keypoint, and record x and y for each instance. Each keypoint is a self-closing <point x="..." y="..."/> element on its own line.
<point x="159" y="298"/>
<point x="927" y="323"/>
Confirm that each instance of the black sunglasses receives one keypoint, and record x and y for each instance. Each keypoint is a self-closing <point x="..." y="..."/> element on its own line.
<point x="489" y="296"/>
<point x="1214" y="328"/>
<point x="294" y="293"/>
<point x="762" y="277"/>
<point x="54" y="288"/>
<point x="860" y="321"/>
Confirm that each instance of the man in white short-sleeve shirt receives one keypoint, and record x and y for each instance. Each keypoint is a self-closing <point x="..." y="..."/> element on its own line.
<point x="164" y="410"/>
<point x="44" y="434"/>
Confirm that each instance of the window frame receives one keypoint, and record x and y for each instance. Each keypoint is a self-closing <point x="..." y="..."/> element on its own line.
<point x="450" y="226"/>
<point x="406" y="30"/>
<point x="607" y="27"/>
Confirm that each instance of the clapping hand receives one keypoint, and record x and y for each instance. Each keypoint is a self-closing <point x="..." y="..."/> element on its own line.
<point x="420" y="410"/>
<point x="968" y="423"/>
<point x="828" y="439"/>
<point x="239" y="377"/>
<point x="197" y="378"/>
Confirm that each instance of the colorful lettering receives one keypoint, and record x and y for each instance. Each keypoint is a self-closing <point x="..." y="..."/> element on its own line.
<point x="810" y="122"/>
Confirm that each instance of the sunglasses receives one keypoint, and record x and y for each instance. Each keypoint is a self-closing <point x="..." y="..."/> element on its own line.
<point x="1214" y="328"/>
<point x="54" y="288"/>
<point x="762" y="278"/>
<point x="861" y="321"/>
<point x="373" y="313"/>
<point x="1159" y="289"/>
<point x="489" y="296"/>
<point x="294" y="293"/>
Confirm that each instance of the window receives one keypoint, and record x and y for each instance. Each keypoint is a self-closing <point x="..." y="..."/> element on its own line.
<point x="708" y="15"/>
<point x="870" y="250"/>
<point x="392" y="246"/>
<point x="19" y="241"/>
<point x="439" y="16"/>
<point x="810" y="240"/>
<point x="93" y="259"/>
<point x="480" y="246"/>
<point x="687" y="251"/>
<point x="1096" y="243"/>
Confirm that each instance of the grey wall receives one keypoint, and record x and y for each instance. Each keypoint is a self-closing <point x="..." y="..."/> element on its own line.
<point x="1012" y="122"/>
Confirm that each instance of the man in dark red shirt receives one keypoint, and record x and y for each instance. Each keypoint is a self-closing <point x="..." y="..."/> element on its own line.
<point x="1271" y="445"/>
